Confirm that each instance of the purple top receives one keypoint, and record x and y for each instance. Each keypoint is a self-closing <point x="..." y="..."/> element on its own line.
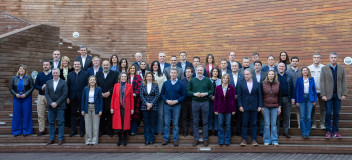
<point x="227" y="103"/>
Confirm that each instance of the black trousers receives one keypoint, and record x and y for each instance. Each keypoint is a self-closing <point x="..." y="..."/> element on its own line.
<point x="75" y="105"/>
<point x="186" y="115"/>
<point x="106" y="117"/>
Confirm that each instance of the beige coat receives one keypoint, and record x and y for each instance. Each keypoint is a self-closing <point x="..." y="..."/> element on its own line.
<point x="327" y="82"/>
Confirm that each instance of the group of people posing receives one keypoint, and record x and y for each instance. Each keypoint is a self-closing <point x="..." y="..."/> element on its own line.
<point x="114" y="97"/>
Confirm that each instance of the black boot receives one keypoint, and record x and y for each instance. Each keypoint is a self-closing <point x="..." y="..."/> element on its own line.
<point x="124" y="140"/>
<point x="120" y="138"/>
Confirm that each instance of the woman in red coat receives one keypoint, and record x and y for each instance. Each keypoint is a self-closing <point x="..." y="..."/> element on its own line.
<point x="135" y="80"/>
<point x="122" y="106"/>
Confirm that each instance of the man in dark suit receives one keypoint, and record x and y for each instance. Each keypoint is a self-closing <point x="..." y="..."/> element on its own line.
<point x="259" y="76"/>
<point x="232" y="57"/>
<point x="250" y="101"/>
<point x="138" y="61"/>
<point x="96" y="67"/>
<point x="76" y="81"/>
<point x="271" y="64"/>
<point x="195" y="64"/>
<point x="235" y="78"/>
<point x="183" y="62"/>
<point x="163" y="64"/>
<point x="84" y="58"/>
<point x="55" y="94"/>
<point x="56" y="62"/>
<point x="106" y="80"/>
<point x="224" y="67"/>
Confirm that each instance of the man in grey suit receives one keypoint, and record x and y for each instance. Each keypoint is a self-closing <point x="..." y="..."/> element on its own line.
<point x="84" y="58"/>
<point x="173" y="61"/>
<point x="333" y="89"/>
<point x="55" y="94"/>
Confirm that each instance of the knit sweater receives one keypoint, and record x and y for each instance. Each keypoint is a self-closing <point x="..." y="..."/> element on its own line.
<point x="195" y="85"/>
<point x="41" y="80"/>
<point x="173" y="92"/>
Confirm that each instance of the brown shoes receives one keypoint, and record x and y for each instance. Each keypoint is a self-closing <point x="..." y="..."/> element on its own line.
<point x="206" y="143"/>
<point x="195" y="143"/>
<point x="60" y="142"/>
<point x="243" y="143"/>
<point x="254" y="143"/>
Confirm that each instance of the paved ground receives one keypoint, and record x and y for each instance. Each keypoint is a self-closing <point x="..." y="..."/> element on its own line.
<point x="170" y="156"/>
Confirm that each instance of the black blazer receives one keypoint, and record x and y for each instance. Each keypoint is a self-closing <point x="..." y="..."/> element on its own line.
<point x="76" y="84"/>
<point x="88" y="62"/>
<point x="188" y="64"/>
<point x="52" y="64"/>
<point x="27" y="82"/>
<point x="59" y="95"/>
<point x="107" y="84"/>
<point x="249" y="101"/>
<point x="229" y="65"/>
<point x="62" y="71"/>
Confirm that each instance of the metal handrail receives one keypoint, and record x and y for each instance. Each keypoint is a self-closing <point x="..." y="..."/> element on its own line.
<point x="15" y="17"/>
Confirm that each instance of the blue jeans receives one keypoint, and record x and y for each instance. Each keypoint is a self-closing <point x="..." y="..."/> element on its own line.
<point x="22" y="116"/>
<point x="60" y="115"/>
<point x="305" y="112"/>
<point x="251" y="117"/>
<point x="197" y="109"/>
<point x="160" y="127"/>
<point x="334" y="104"/>
<point x="224" y="117"/>
<point x="134" y="126"/>
<point x="270" y="135"/>
<point x="150" y="119"/>
<point x="210" y="118"/>
<point x="174" y="113"/>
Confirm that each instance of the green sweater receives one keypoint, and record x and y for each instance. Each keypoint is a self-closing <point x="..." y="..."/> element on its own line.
<point x="195" y="85"/>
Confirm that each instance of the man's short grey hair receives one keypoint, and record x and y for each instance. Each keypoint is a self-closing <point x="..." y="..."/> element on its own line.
<point x="249" y="70"/>
<point x="245" y="58"/>
<point x="55" y="69"/>
<point x="233" y="63"/>
<point x="173" y="69"/>
<point x="281" y="63"/>
<point x="333" y="53"/>
<point x="162" y="53"/>
<point x="57" y="51"/>
<point x="138" y="53"/>
<point x="316" y="54"/>
<point x="200" y="66"/>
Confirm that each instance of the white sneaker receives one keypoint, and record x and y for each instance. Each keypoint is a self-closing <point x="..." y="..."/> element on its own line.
<point x="266" y="144"/>
<point x="322" y="126"/>
<point x="314" y="126"/>
<point x="276" y="144"/>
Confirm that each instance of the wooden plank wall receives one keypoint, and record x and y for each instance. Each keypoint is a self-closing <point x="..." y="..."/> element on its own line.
<point x="29" y="47"/>
<point x="200" y="27"/>
<point x="8" y="23"/>
<point x="106" y="26"/>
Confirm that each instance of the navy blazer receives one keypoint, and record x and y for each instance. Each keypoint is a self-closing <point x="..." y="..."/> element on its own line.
<point x="229" y="65"/>
<point x="249" y="101"/>
<point x="152" y="97"/>
<point x="59" y="95"/>
<point x="75" y="87"/>
<point x="300" y="90"/>
<point x="90" y="71"/>
<point x="240" y="77"/>
<point x="98" y="100"/>
<point x="266" y="69"/>
<point x="88" y="62"/>
<point x="188" y="64"/>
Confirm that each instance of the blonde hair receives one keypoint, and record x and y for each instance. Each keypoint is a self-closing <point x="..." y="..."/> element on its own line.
<point x="68" y="61"/>
<point x="145" y="78"/>
<point x="228" y="77"/>
<point x="92" y="76"/>
<point x="129" y="68"/>
<point x="275" y="77"/>
<point x="309" y="74"/>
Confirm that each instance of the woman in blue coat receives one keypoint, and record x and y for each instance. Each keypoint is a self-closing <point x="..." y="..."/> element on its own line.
<point x="92" y="108"/>
<point x="21" y="87"/>
<point x="306" y="96"/>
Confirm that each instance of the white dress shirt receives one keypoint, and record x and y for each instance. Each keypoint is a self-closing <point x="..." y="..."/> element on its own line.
<point x="55" y="83"/>
<point x="149" y="87"/>
<point x="250" y="86"/>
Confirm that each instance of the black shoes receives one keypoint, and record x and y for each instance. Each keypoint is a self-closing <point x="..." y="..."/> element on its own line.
<point x="72" y="134"/>
<point x="81" y="134"/>
<point x="50" y="142"/>
<point x="195" y="143"/>
<point x="164" y="142"/>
